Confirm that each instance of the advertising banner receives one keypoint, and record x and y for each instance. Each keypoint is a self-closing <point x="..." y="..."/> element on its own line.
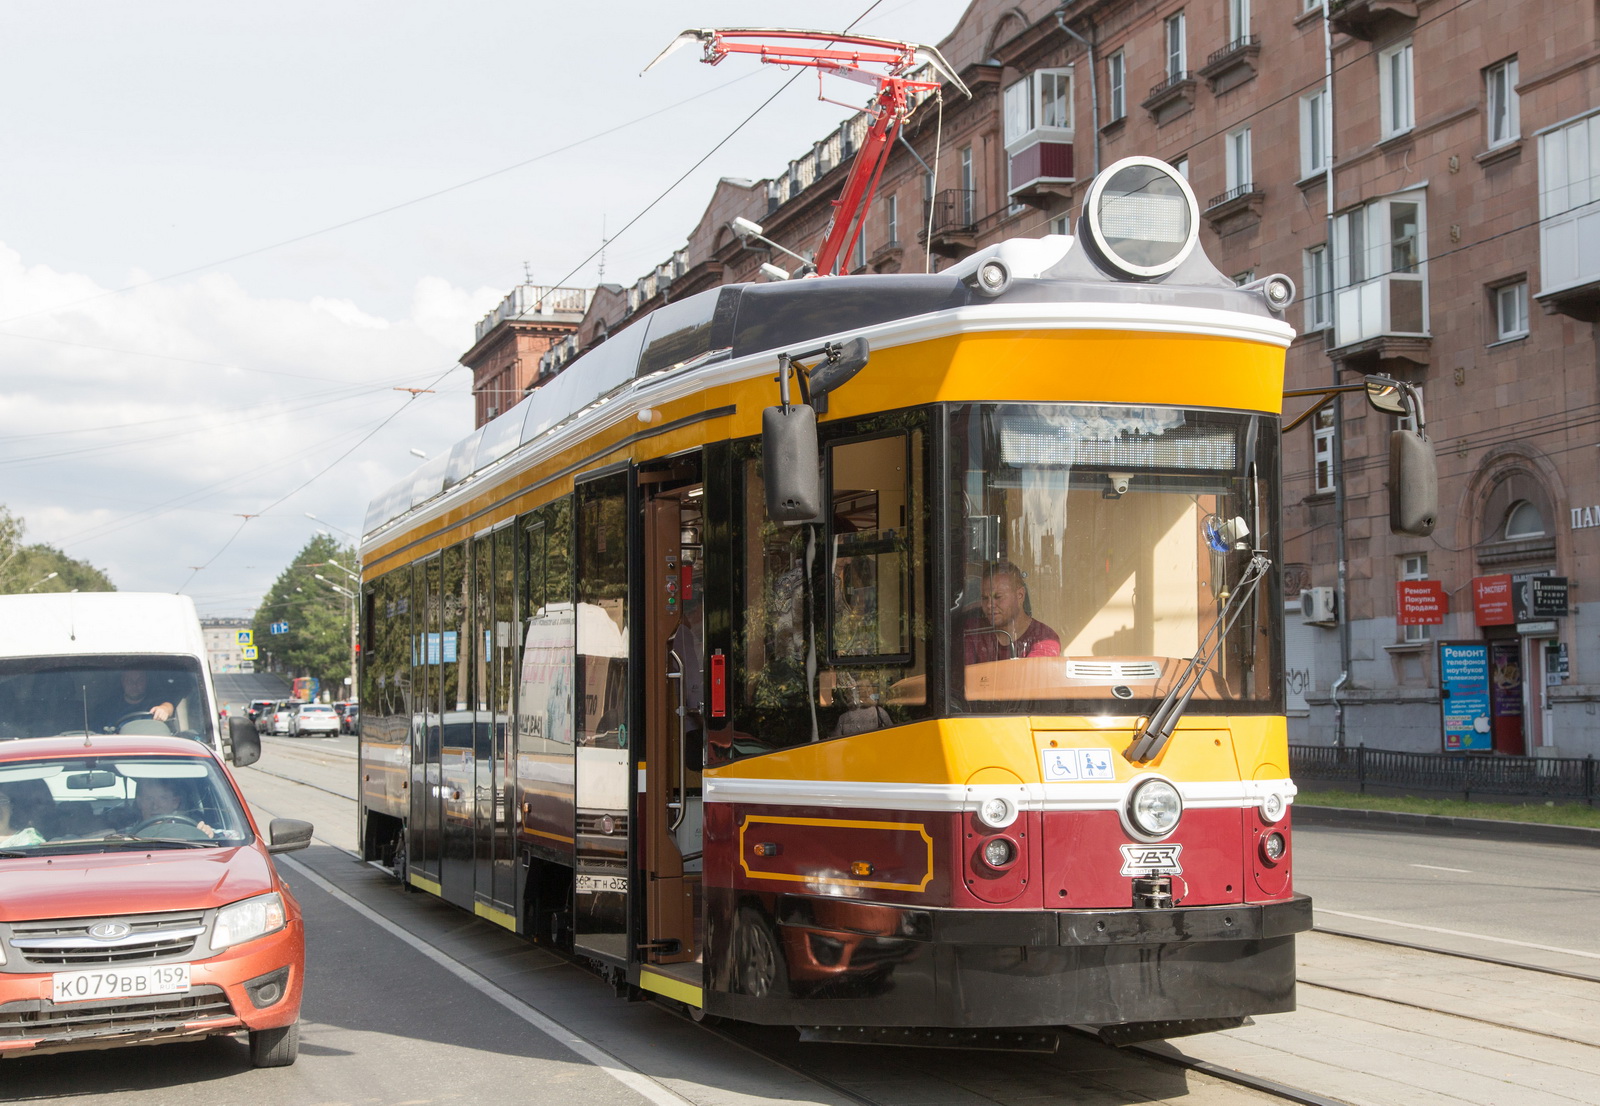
<point x="1420" y="602"/>
<point x="1491" y="601"/>
<point x="1464" y="696"/>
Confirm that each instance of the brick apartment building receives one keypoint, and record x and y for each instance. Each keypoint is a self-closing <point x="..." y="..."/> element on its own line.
<point x="1461" y="141"/>
<point x="509" y="341"/>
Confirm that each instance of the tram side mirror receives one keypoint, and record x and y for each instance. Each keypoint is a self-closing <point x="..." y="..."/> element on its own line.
<point x="845" y="359"/>
<point x="1413" y="484"/>
<point x="789" y="463"/>
<point x="1387" y="396"/>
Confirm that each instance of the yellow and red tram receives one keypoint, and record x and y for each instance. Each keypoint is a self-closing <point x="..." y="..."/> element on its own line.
<point x="990" y="733"/>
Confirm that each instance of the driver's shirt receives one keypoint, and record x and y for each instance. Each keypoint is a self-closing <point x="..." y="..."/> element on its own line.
<point x="981" y="644"/>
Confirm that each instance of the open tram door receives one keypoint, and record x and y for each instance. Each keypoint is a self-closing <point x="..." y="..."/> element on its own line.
<point x="669" y="805"/>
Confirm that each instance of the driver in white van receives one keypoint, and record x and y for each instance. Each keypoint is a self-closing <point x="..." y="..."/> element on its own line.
<point x="137" y="699"/>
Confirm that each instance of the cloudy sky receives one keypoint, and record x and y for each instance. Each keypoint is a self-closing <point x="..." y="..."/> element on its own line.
<point x="229" y="233"/>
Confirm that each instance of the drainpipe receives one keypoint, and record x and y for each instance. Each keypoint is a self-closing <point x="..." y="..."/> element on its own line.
<point x="1094" y="85"/>
<point x="1338" y="402"/>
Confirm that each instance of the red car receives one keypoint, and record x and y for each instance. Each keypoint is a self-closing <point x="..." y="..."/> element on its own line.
<point x="138" y="899"/>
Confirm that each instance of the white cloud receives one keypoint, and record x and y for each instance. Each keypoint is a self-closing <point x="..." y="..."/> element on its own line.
<point x="135" y="428"/>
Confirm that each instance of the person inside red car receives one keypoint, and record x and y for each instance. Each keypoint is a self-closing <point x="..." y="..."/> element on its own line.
<point x="13" y="831"/>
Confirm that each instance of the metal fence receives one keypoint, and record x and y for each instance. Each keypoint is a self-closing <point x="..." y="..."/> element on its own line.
<point x="1466" y="774"/>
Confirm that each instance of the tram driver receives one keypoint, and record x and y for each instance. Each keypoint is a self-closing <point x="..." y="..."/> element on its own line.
<point x="1006" y="629"/>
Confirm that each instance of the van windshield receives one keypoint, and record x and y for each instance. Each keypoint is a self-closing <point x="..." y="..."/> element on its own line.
<point x="45" y="696"/>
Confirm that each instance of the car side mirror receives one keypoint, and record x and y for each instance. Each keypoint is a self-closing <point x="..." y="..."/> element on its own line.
<point x="288" y="834"/>
<point x="246" y="743"/>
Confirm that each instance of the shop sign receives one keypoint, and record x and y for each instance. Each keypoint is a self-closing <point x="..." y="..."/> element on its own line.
<point x="1464" y="696"/>
<point x="1539" y="597"/>
<point x="1420" y="602"/>
<point x="1555" y="662"/>
<point x="1491" y="601"/>
<point x="1545" y="627"/>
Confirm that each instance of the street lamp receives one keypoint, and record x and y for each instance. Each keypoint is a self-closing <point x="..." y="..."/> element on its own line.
<point x="419" y="453"/>
<point x="746" y="230"/>
<point x="41" y="580"/>
<point x="325" y="522"/>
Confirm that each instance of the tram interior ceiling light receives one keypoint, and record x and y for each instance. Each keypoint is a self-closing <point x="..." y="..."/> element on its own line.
<point x="1141" y="219"/>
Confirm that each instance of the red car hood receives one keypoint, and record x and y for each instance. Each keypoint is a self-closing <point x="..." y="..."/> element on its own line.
<point x="92" y="884"/>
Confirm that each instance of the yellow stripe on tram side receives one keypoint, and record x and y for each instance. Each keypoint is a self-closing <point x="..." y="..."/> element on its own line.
<point x="425" y="884"/>
<point x="498" y="917"/>
<point x="671" y="988"/>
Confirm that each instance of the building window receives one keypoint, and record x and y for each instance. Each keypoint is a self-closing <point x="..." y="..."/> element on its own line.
<point x="1238" y="168"/>
<point x="859" y="261"/>
<point x="1117" y="82"/>
<point x="1042" y="99"/>
<point x="1379" y="269"/>
<point x="1569" y="186"/>
<point x="1177" y="54"/>
<point x="1181" y="164"/>
<point x="1395" y="90"/>
<point x="1310" y="6"/>
<point x="1415" y="567"/>
<point x="1322" y="451"/>
<point x="1318" y="298"/>
<point x="1238" y="20"/>
<point x="1241" y="279"/>
<point x="1523" y="521"/>
<point x="1061" y="224"/>
<point x="1510" y="311"/>
<point x="1314" y="146"/>
<point x="892" y="217"/>
<point x="1500" y="94"/>
<point x="967" y="187"/>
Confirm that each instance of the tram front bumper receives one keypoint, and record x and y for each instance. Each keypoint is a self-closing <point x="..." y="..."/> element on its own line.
<point x="943" y="967"/>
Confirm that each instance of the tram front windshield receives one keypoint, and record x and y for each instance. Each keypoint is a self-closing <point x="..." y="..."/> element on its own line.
<point x="1097" y="549"/>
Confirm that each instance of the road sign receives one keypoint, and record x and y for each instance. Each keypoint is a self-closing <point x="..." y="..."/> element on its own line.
<point x="279" y="627"/>
<point x="247" y="637"/>
<point x="248" y="652"/>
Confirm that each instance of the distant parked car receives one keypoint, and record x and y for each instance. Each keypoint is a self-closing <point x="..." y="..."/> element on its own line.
<point x="348" y="710"/>
<point x="282" y="720"/>
<point x="315" y="718"/>
<point x="259" y="705"/>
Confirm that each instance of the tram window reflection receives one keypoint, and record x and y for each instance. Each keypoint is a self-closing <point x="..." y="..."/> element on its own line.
<point x="832" y="636"/>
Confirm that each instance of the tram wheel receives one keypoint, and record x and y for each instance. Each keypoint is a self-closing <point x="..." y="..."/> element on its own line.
<point x="756" y="961"/>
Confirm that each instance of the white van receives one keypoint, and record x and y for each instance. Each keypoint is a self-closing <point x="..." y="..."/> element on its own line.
<point x="106" y="662"/>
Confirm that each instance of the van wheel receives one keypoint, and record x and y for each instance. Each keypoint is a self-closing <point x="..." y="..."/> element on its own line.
<point x="274" y="1048"/>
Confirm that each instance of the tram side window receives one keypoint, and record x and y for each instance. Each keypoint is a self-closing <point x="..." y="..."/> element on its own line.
<point x="549" y="652"/>
<point x="832" y="639"/>
<point x="386" y="665"/>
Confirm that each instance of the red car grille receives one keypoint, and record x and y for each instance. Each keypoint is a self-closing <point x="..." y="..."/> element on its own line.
<point x="38" y="1018"/>
<point x="67" y="944"/>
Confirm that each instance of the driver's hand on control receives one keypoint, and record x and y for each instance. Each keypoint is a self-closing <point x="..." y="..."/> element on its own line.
<point x="161" y="711"/>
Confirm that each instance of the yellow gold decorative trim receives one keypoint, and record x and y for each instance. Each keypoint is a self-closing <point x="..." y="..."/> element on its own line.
<point x="794" y="877"/>
<point x="672" y="988"/>
<point x="426" y="884"/>
<point x="498" y="917"/>
<point x="551" y="836"/>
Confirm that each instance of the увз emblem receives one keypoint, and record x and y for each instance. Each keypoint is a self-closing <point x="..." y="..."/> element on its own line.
<point x="1151" y="860"/>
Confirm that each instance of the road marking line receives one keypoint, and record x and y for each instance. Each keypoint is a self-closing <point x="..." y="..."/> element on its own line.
<point x="619" y="1070"/>
<point x="1437" y="868"/>
<point x="1459" y="933"/>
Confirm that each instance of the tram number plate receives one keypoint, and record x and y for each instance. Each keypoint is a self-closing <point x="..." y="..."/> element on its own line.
<point x="1151" y="860"/>
<point x="603" y="883"/>
<point x="158" y="979"/>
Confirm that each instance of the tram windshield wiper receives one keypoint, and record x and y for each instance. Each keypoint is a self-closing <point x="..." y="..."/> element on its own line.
<point x="1152" y="736"/>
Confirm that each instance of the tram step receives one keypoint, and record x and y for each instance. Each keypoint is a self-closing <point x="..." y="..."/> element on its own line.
<point x="994" y="1040"/>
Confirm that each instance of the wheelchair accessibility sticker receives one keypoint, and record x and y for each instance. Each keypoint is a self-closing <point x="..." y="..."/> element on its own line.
<point x="1078" y="764"/>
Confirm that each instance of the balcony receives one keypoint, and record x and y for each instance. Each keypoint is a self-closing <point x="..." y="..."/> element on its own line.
<point x="1236" y="207"/>
<point x="1171" y="98"/>
<point x="1384" y="319"/>
<point x="1232" y="65"/>
<point x="1040" y="168"/>
<point x="1367" y="19"/>
<point x="953" y="231"/>
<point x="1569" y="261"/>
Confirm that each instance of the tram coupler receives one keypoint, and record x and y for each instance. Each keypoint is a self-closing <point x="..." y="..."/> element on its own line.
<point x="1152" y="892"/>
<point x="991" y="1040"/>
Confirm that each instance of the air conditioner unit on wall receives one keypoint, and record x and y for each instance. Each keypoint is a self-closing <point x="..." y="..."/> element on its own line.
<point x="1318" y="606"/>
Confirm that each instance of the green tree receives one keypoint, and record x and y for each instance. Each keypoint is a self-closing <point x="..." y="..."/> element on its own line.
<point x="317" y="642"/>
<point x="41" y="567"/>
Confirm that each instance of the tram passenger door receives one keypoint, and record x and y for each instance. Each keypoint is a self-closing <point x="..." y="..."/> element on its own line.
<point x="671" y="808"/>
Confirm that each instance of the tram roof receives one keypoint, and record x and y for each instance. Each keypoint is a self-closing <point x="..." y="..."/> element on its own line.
<point x="746" y="320"/>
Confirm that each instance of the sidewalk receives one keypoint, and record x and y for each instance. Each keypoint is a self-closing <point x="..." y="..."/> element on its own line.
<point x="1306" y="814"/>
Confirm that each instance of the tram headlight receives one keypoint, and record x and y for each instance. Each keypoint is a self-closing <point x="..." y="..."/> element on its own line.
<point x="1273" y="846"/>
<point x="1142" y="218"/>
<point x="1154" y="808"/>
<point x="1272" y="806"/>
<point x="999" y="853"/>
<point x="997" y="812"/>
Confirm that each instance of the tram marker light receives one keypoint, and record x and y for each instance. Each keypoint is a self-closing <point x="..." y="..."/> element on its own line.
<point x="992" y="277"/>
<point x="1272" y="806"/>
<point x="1273" y="846"/>
<point x="860" y="868"/>
<point x="772" y="272"/>
<point x="1140" y="219"/>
